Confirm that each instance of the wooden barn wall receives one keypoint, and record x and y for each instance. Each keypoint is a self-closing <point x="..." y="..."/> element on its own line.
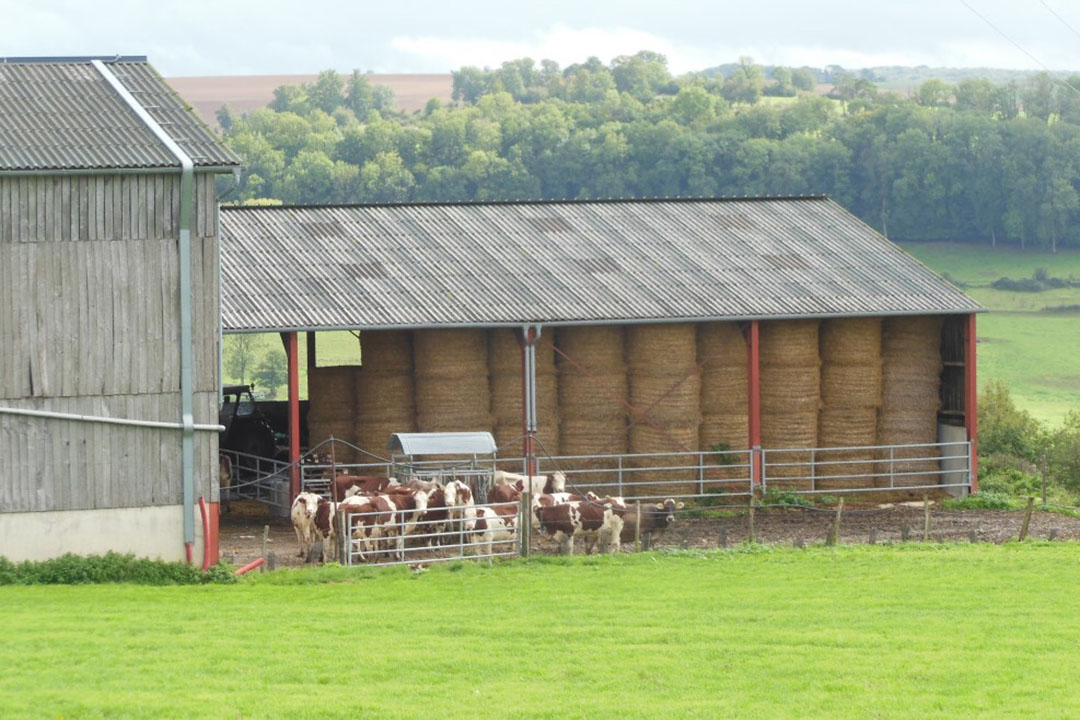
<point x="89" y="323"/>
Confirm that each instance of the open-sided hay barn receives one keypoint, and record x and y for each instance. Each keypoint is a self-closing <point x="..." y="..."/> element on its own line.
<point x="109" y="311"/>
<point x="682" y="326"/>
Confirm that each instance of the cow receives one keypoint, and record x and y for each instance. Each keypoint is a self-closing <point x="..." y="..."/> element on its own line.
<point x="323" y="524"/>
<point x="655" y="518"/>
<point x="304" y="507"/>
<point x="344" y="486"/>
<point x="436" y="517"/>
<point x="496" y="523"/>
<point x="459" y="500"/>
<point x="594" y="522"/>
<point x="504" y="494"/>
<point x="373" y="523"/>
<point x="411" y="506"/>
<point x="556" y="482"/>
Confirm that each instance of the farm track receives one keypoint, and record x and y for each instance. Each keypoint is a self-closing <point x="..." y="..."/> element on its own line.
<point x="241" y="538"/>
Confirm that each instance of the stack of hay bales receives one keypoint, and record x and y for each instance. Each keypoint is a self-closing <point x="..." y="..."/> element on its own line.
<point x="665" y="390"/>
<point x="385" y="399"/>
<point x="724" y="405"/>
<point x="592" y="416"/>
<point x="850" y="398"/>
<point x="451" y="373"/>
<point x="911" y="397"/>
<point x="504" y="360"/>
<point x="790" y="397"/>
<point x="332" y="409"/>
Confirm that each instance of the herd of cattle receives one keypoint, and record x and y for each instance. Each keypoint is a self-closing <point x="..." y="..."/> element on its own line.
<point x="388" y="520"/>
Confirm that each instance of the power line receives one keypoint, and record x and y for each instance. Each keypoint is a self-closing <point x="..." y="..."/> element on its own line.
<point x="1061" y="19"/>
<point x="1017" y="45"/>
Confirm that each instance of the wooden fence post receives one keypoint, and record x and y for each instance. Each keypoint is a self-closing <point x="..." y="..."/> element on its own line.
<point x="926" y="518"/>
<point x="526" y="522"/>
<point x="266" y="538"/>
<point x="637" y="529"/>
<point x="1027" y="519"/>
<point x="834" y="534"/>
<point x="751" y="537"/>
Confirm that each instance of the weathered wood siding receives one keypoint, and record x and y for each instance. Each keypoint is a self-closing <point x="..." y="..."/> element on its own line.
<point x="89" y="323"/>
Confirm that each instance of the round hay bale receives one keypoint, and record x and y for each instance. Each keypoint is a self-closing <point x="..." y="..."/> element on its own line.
<point x="386" y="351"/>
<point x="385" y="404"/>
<point x="655" y="348"/>
<point x="789" y="343"/>
<point x="790" y="397"/>
<point x="592" y="413"/>
<point x="725" y="432"/>
<point x="846" y="427"/>
<point x="451" y="372"/>
<point x="666" y="438"/>
<point x="911" y="398"/>
<point x="724" y="390"/>
<point x="666" y="398"/>
<point x="720" y="344"/>
<point x="851" y="386"/>
<point x="851" y="341"/>
<point x="332" y="408"/>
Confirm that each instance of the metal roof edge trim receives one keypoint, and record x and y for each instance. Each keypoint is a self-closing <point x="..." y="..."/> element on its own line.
<point x="147" y="170"/>
<point x="545" y="201"/>
<point x="579" y="323"/>
<point x="82" y="59"/>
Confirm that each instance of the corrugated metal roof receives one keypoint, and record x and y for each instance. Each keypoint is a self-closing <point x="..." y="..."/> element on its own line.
<point x="490" y="264"/>
<point x="442" y="443"/>
<point x="62" y="115"/>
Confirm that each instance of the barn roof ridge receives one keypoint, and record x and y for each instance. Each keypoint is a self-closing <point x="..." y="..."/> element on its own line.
<point x="529" y="201"/>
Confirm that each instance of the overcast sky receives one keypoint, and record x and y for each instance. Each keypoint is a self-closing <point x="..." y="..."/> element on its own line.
<point x="219" y="37"/>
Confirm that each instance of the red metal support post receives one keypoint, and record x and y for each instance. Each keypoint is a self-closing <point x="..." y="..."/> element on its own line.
<point x="971" y="398"/>
<point x="292" y="354"/>
<point x="753" y="385"/>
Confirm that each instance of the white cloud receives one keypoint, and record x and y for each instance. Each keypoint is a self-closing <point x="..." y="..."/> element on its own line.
<point x="560" y="43"/>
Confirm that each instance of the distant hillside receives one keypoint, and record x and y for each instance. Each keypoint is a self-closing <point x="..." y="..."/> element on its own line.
<point x="900" y="77"/>
<point x="244" y="93"/>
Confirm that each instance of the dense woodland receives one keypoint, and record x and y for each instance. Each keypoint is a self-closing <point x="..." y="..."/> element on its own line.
<point x="975" y="161"/>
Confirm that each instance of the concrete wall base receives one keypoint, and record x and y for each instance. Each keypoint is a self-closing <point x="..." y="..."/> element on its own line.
<point x="152" y="532"/>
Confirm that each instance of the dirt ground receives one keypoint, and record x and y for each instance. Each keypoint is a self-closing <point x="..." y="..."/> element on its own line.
<point x="241" y="536"/>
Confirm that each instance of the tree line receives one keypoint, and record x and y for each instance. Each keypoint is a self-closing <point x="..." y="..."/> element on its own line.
<point x="975" y="161"/>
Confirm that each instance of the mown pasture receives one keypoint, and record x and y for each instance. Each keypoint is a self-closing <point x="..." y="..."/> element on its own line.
<point x="907" y="631"/>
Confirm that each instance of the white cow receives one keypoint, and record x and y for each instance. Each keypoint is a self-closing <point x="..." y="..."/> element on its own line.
<point x="302" y="514"/>
<point x="556" y="482"/>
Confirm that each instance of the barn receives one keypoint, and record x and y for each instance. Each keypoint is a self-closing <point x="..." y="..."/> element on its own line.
<point x="109" y="312"/>
<point x="644" y="337"/>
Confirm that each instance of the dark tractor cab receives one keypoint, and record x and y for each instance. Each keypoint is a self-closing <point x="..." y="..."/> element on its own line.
<point x="246" y="428"/>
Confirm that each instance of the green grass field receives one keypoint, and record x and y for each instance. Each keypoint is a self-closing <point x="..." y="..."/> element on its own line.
<point x="1035" y="352"/>
<point x="912" y="631"/>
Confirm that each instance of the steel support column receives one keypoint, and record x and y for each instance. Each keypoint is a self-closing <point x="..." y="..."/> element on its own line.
<point x="753" y="386"/>
<point x="292" y="354"/>
<point x="971" y="398"/>
<point x="530" y="336"/>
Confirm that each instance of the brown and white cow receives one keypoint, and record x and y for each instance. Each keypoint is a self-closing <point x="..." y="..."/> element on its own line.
<point x="374" y="523"/>
<point x="302" y="514"/>
<point x="459" y="503"/>
<point x="495" y="524"/>
<point x="591" y="521"/>
<point x="655" y="518"/>
<point x="324" y="524"/>
<point x="411" y="506"/>
<point x="556" y="482"/>
<point x="344" y="486"/>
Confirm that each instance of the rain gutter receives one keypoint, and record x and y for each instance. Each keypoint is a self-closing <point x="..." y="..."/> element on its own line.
<point x="187" y="391"/>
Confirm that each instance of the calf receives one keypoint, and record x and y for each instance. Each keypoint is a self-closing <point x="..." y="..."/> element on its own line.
<point x="411" y="506"/>
<point x="436" y="517"/>
<point x="373" y="523"/>
<point x="655" y="518"/>
<point x="505" y="494"/>
<point x="497" y="523"/>
<point x="302" y="514"/>
<point x="323" y="524"/>
<point x="459" y="499"/>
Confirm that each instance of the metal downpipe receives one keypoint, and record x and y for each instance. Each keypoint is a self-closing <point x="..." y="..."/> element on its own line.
<point x="187" y="391"/>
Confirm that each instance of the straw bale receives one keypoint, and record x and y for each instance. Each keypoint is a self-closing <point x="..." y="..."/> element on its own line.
<point x="851" y="386"/>
<point x="851" y="341"/>
<point x="666" y="398"/>
<point x="332" y="407"/>
<point x="789" y="343"/>
<point x="451" y="374"/>
<point x="668" y="437"/>
<point x="725" y="432"/>
<point x="591" y="436"/>
<point x="504" y="361"/>
<point x="722" y="359"/>
<point x="659" y="347"/>
<point x="385" y="404"/>
<point x="504" y="353"/>
<point x="599" y="393"/>
<point x="911" y="396"/>
<point x="386" y="351"/>
<point x="847" y="427"/>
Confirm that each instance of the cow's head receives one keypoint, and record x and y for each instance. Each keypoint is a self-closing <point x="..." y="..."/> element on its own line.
<point x="667" y="510"/>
